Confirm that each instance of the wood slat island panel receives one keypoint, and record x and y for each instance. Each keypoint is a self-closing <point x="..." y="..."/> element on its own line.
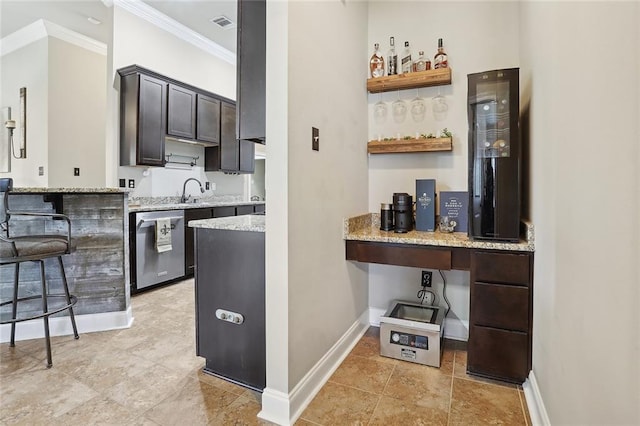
<point x="97" y="267"/>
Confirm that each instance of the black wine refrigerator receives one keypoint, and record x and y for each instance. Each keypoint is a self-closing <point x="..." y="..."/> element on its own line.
<point x="494" y="155"/>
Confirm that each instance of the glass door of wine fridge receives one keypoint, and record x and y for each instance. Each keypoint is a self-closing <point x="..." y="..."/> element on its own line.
<point x="494" y="155"/>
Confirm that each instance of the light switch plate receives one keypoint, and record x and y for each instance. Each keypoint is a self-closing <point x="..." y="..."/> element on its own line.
<point x="76" y="171"/>
<point x="315" y="139"/>
<point x="123" y="183"/>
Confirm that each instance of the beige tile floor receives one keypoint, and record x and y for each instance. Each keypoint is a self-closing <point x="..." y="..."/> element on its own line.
<point x="149" y="375"/>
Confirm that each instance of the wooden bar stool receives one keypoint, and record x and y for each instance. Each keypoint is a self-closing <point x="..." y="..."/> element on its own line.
<point x="15" y="250"/>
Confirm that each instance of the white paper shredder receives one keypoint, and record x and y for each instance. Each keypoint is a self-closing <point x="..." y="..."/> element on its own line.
<point x="412" y="332"/>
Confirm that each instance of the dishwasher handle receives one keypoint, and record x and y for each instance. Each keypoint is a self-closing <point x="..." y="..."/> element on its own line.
<point x="153" y="221"/>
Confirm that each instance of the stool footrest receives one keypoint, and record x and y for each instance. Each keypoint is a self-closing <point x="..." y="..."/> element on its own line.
<point x="74" y="300"/>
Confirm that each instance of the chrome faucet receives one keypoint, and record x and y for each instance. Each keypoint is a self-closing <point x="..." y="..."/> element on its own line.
<point x="184" y="197"/>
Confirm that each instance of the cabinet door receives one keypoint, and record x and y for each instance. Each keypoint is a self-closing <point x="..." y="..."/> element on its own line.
<point x="152" y="121"/>
<point x="208" y="123"/>
<point x="228" y="143"/>
<point x="192" y="214"/>
<point x="224" y="211"/>
<point x="251" y="48"/>
<point x="247" y="156"/>
<point x="242" y="210"/>
<point x="181" y="112"/>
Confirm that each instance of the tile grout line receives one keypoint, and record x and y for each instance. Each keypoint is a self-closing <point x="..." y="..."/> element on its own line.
<point x="453" y="376"/>
<point x="381" y="394"/>
<point x="524" y="412"/>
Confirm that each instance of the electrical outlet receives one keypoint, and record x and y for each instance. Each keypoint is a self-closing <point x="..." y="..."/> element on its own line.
<point x="213" y="186"/>
<point x="123" y="183"/>
<point x="315" y="139"/>
<point x="76" y="171"/>
<point x="426" y="278"/>
<point x="132" y="183"/>
<point x="41" y="171"/>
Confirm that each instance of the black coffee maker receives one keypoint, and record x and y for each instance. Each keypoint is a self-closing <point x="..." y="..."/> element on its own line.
<point x="403" y="212"/>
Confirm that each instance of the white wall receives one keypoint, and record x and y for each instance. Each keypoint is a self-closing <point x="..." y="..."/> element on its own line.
<point x="136" y="41"/>
<point x="313" y="295"/>
<point x="326" y="293"/>
<point x="585" y="195"/>
<point x="478" y="36"/>
<point x="257" y="179"/>
<point x="76" y="115"/>
<point x="27" y="67"/>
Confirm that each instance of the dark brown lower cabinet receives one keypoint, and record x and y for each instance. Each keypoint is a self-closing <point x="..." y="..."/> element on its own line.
<point x="501" y="315"/>
<point x="242" y="210"/>
<point x="192" y="214"/>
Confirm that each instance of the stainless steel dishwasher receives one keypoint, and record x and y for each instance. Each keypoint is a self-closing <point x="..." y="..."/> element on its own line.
<point x="152" y="266"/>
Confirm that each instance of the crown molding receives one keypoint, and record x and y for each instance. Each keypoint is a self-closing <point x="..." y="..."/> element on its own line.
<point x="41" y="29"/>
<point x="153" y="16"/>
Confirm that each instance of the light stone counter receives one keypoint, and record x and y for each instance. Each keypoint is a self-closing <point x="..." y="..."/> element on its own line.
<point x="366" y="227"/>
<point x="248" y="223"/>
<point x="39" y="190"/>
<point x="182" y="206"/>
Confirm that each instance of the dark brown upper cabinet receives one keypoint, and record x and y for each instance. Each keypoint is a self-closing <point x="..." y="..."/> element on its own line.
<point x="251" y="70"/>
<point x="143" y="119"/>
<point x="208" y="118"/>
<point x="181" y="112"/>
<point x="231" y="155"/>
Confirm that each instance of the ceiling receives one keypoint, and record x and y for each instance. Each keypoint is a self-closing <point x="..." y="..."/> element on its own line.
<point x="15" y="14"/>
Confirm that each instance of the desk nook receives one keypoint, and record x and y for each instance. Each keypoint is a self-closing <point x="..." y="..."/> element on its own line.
<point x="501" y="279"/>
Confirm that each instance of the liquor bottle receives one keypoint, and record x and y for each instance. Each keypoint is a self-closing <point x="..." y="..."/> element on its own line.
<point x="406" y="58"/>
<point x="376" y="64"/>
<point x="392" y="58"/>
<point x="420" y="64"/>
<point x="441" y="59"/>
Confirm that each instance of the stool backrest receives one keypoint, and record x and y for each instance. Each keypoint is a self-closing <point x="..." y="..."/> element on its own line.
<point x="6" y="185"/>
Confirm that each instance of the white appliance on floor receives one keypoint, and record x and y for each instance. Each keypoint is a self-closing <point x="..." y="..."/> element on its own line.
<point x="412" y="332"/>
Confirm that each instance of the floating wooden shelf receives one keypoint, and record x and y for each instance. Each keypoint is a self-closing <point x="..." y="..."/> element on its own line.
<point x="409" y="145"/>
<point x="413" y="80"/>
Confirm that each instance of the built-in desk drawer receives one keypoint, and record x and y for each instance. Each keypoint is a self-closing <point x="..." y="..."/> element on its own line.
<point x="498" y="353"/>
<point x="501" y="268"/>
<point x="501" y="306"/>
<point x="399" y="254"/>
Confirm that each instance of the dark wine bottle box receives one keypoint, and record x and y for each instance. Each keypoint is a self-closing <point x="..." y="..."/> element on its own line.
<point x="425" y="205"/>
<point x="454" y="205"/>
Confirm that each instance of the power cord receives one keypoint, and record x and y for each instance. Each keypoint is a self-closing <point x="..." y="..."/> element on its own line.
<point x="423" y="293"/>
<point x="444" y="292"/>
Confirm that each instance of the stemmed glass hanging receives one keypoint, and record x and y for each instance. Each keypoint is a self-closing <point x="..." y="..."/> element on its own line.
<point x="380" y="111"/>
<point x="399" y="110"/>
<point x="439" y="106"/>
<point x="418" y="108"/>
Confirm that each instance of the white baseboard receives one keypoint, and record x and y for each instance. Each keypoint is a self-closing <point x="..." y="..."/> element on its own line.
<point x="532" y="395"/>
<point x="454" y="328"/>
<point x="61" y="326"/>
<point x="284" y="409"/>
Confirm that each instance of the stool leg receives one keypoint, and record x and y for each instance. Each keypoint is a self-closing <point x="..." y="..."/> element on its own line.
<point x="14" y="308"/>
<point x="46" y="316"/>
<point x="66" y="292"/>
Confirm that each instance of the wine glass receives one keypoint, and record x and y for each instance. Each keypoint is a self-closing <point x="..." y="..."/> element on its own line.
<point x="380" y="112"/>
<point x="399" y="110"/>
<point x="440" y="107"/>
<point x="418" y="108"/>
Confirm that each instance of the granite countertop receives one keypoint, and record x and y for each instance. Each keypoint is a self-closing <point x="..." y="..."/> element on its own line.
<point x="248" y="223"/>
<point x="182" y="206"/>
<point x="41" y="190"/>
<point x="366" y="227"/>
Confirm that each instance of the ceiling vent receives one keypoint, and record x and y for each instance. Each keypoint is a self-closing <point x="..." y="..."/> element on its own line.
<point x="223" y="22"/>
